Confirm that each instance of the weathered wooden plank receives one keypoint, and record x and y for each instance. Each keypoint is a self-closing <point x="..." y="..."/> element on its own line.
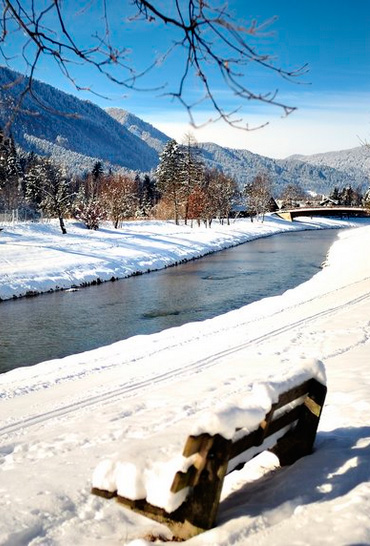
<point x="177" y="521"/>
<point x="202" y="505"/>
<point x="299" y="442"/>
<point x="200" y="447"/>
<point x="253" y="439"/>
<point x="197" y="444"/>
<point x="103" y="493"/>
<point x="313" y="406"/>
<point x="293" y="394"/>
<point x="183" y="479"/>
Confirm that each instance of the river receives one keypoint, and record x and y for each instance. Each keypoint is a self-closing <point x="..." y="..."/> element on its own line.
<point x="63" y="323"/>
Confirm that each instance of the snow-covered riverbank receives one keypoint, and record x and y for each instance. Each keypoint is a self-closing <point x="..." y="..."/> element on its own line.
<point x="59" y="419"/>
<point x="37" y="258"/>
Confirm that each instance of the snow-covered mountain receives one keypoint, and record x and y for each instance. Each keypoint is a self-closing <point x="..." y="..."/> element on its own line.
<point x="122" y="140"/>
<point x="319" y="173"/>
<point x="71" y="130"/>
<point x="355" y="162"/>
<point x="149" y="134"/>
<point x="321" y="178"/>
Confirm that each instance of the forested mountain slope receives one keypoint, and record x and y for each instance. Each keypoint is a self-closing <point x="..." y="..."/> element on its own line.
<point x="355" y="162"/>
<point x="244" y="165"/>
<point x="149" y="134"/>
<point x="87" y="130"/>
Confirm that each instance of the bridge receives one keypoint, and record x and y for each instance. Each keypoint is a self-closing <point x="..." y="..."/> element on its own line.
<point x="341" y="212"/>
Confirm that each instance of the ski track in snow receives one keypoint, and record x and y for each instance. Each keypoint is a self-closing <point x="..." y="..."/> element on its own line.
<point x="182" y="372"/>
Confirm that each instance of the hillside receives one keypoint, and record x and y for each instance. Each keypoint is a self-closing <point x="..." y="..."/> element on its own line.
<point x="143" y="130"/>
<point x="354" y="162"/>
<point x="87" y="130"/>
<point x="244" y="165"/>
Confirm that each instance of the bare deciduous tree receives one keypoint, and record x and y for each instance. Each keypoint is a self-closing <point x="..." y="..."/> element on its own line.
<point x="258" y="196"/>
<point x="212" y="41"/>
<point x="120" y="198"/>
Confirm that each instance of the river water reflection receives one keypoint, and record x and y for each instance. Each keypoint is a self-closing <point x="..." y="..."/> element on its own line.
<point x="55" y="325"/>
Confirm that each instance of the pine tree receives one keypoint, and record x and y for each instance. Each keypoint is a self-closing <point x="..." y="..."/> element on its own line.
<point x="97" y="170"/>
<point x="192" y="170"/>
<point x="336" y="196"/>
<point x="49" y="187"/>
<point x="11" y="176"/>
<point x="346" y="196"/>
<point x="148" y="195"/>
<point x="170" y="178"/>
<point x="88" y="206"/>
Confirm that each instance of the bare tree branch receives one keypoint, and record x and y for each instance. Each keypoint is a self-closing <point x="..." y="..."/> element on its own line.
<point x="210" y="39"/>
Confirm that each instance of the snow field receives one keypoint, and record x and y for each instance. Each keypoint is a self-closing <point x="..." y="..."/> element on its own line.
<point x="60" y="419"/>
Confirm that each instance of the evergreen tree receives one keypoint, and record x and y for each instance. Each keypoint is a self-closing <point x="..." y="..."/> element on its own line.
<point x="170" y="178"/>
<point x="11" y="176"/>
<point x="97" y="170"/>
<point x="336" y="196"/>
<point x="148" y="195"/>
<point x="192" y="170"/>
<point x="88" y="206"/>
<point x="49" y="186"/>
<point x="347" y="196"/>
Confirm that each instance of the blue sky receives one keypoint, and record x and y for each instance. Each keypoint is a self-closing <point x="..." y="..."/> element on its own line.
<point x="332" y="99"/>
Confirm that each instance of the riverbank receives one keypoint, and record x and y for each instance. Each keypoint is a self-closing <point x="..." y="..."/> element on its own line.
<point x="59" y="419"/>
<point x="36" y="258"/>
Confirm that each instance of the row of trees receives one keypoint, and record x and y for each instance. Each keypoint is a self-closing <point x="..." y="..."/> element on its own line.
<point x="182" y="189"/>
<point x="348" y="196"/>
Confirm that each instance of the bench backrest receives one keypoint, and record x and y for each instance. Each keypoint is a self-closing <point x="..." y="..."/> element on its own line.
<point x="294" y="416"/>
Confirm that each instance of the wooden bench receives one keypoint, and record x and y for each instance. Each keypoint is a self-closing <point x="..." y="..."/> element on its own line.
<point x="288" y="430"/>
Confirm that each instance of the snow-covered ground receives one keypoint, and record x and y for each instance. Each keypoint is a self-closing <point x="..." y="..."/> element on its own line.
<point x="37" y="257"/>
<point x="59" y="419"/>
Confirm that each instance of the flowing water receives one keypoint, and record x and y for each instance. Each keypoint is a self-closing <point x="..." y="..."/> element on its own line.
<point x="62" y="323"/>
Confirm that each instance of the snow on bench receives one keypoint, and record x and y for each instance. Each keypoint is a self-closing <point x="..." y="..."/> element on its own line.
<point x="280" y="415"/>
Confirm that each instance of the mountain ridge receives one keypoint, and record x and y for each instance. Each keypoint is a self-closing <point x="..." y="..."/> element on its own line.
<point x="311" y="172"/>
<point x="122" y="140"/>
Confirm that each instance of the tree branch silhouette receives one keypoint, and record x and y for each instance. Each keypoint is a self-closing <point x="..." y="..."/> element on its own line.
<point x="211" y="40"/>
